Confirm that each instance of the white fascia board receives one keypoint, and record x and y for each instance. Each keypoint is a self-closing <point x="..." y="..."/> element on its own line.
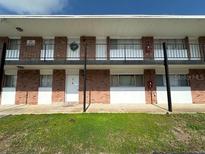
<point x="106" y="16"/>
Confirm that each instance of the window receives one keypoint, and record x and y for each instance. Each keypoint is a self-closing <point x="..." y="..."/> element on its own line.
<point x="160" y="80"/>
<point x="127" y="80"/>
<point x="48" y="44"/>
<point x="125" y="44"/>
<point x="45" y="80"/>
<point x="171" y="44"/>
<point x="14" y="44"/>
<point x="9" y="81"/>
<point x="175" y="80"/>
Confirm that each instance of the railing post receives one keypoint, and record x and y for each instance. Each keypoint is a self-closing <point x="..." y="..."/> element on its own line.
<point x="45" y="53"/>
<point x="167" y="78"/>
<point x="125" y="52"/>
<point x="3" y="57"/>
<point x="85" y="77"/>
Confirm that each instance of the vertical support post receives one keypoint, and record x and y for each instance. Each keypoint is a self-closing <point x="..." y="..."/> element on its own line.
<point x="85" y="76"/>
<point x="45" y="52"/>
<point x="167" y="78"/>
<point x="3" y="57"/>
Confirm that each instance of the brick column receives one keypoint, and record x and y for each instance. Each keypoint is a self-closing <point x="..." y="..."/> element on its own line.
<point x="197" y="84"/>
<point x="148" y="47"/>
<point x="98" y="86"/>
<point x="150" y="93"/>
<point x="91" y="47"/>
<point x="27" y="86"/>
<point x="31" y="52"/>
<point x="60" y="48"/>
<point x="58" y="88"/>
<point x="202" y="46"/>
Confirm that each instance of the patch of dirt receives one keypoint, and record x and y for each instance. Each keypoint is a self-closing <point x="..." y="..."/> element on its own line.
<point x="181" y="135"/>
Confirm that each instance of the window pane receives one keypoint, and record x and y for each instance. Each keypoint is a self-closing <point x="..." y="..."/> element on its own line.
<point x="139" y="80"/>
<point x="45" y="81"/>
<point x="183" y="80"/>
<point x="159" y="80"/>
<point x="14" y="44"/>
<point x="114" y="80"/>
<point x="127" y="80"/>
<point x="9" y="81"/>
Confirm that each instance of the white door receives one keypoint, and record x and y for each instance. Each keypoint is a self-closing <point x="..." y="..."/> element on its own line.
<point x="72" y="88"/>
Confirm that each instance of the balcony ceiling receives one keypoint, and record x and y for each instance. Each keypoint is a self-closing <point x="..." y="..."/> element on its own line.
<point x="101" y="26"/>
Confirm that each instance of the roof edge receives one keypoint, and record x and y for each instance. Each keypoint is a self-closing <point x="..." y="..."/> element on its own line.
<point x="106" y="16"/>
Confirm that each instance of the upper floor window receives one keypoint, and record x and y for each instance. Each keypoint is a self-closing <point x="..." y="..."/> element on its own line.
<point x="127" y="81"/>
<point x="48" y="44"/>
<point x="9" y="81"/>
<point x="176" y="80"/>
<point x="171" y="44"/>
<point x="46" y="81"/>
<point x="125" y="44"/>
<point x="14" y="44"/>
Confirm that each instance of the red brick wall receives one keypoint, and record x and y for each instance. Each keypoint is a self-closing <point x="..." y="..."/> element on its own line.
<point x="60" y="48"/>
<point x="148" y="47"/>
<point x="31" y="52"/>
<point x="91" y="47"/>
<point x="197" y="83"/>
<point x="58" y="88"/>
<point x="27" y="86"/>
<point x="202" y="46"/>
<point x="150" y="93"/>
<point x="98" y="86"/>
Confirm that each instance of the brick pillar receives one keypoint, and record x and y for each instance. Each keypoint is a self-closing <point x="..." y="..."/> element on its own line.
<point x="202" y="46"/>
<point x="197" y="84"/>
<point x="150" y="93"/>
<point x="98" y="86"/>
<point x="60" y="48"/>
<point x="31" y="52"/>
<point x="2" y="41"/>
<point x="58" y="89"/>
<point x="148" y="47"/>
<point x="91" y="47"/>
<point x="27" y="86"/>
<point x="188" y="47"/>
<point x="108" y="48"/>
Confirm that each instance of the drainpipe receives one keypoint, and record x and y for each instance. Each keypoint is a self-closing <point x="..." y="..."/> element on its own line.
<point x="85" y="76"/>
<point x="167" y="78"/>
<point x="3" y="57"/>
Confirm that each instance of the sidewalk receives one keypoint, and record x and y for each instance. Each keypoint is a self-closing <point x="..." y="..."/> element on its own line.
<point x="99" y="108"/>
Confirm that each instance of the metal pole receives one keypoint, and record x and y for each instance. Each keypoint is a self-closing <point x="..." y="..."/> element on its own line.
<point x="85" y="77"/>
<point x="167" y="78"/>
<point x="3" y="57"/>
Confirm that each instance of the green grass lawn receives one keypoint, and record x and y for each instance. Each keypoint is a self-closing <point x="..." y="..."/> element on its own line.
<point x="102" y="133"/>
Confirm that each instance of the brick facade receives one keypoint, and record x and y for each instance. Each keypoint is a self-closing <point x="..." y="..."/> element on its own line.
<point x="91" y="47"/>
<point x="197" y="84"/>
<point x="60" y="50"/>
<point x="148" y="47"/>
<point x="27" y="86"/>
<point x="58" y="86"/>
<point x="98" y="86"/>
<point x="202" y="46"/>
<point x="150" y="92"/>
<point x="31" y="52"/>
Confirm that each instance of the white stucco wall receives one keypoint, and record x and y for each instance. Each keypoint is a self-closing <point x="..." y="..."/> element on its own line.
<point x="44" y="96"/>
<point x="8" y="96"/>
<point x="178" y="94"/>
<point x="127" y="95"/>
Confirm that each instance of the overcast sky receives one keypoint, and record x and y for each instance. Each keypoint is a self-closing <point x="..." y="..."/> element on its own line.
<point x="91" y="7"/>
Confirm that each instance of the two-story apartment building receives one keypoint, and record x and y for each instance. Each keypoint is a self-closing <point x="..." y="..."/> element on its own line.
<point x="46" y="57"/>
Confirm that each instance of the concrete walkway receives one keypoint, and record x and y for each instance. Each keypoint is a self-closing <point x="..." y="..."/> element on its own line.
<point x="99" y="108"/>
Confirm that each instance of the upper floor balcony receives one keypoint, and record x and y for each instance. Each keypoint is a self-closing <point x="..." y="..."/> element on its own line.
<point x="114" y="52"/>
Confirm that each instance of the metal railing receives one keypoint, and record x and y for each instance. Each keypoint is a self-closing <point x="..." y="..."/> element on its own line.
<point x="102" y="52"/>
